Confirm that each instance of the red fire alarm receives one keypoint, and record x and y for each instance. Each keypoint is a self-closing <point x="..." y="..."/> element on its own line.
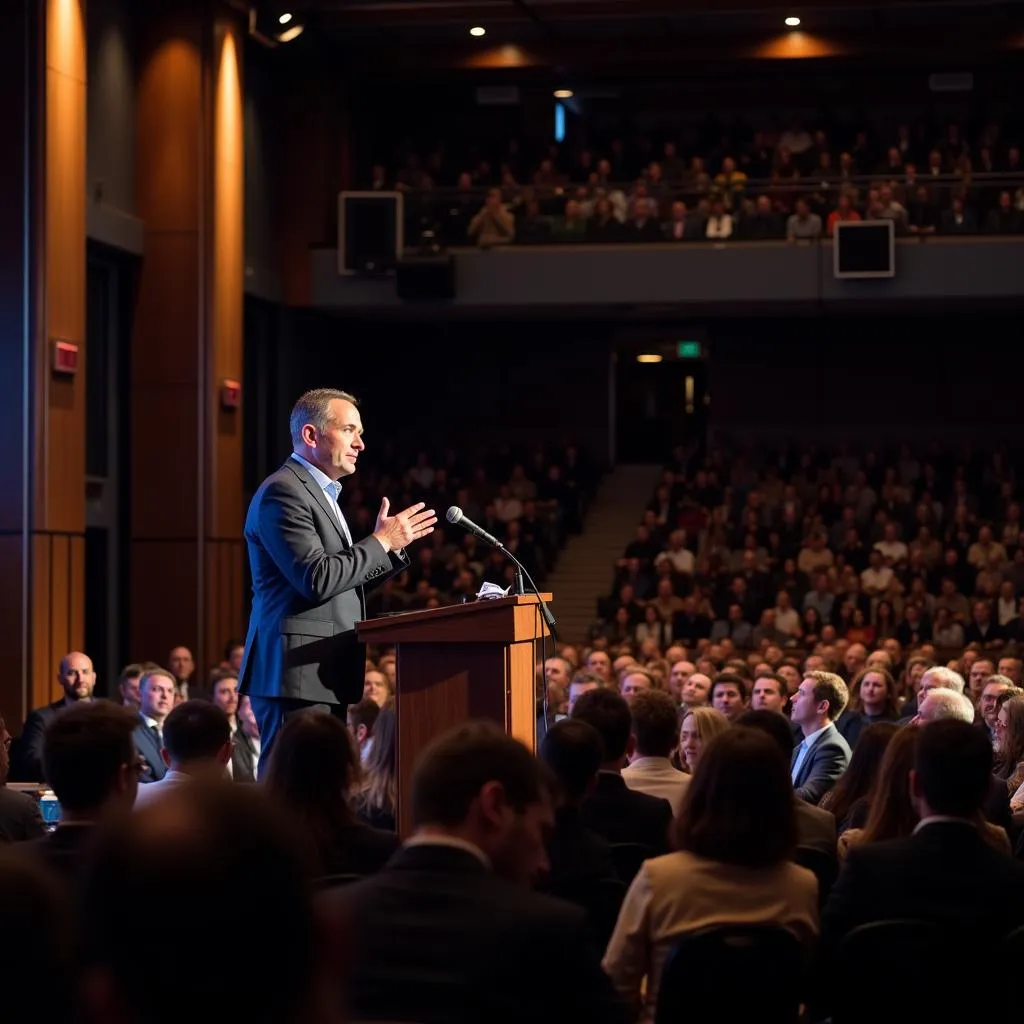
<point x="65" y="358"/>
<point x="230" y="394"/>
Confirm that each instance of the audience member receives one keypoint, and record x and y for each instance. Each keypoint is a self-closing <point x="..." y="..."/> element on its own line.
<point x="197" y="745"/>
<point x="313" y="771"/>
<point x="20" y="818"/>
<point x="447" y="930"/>
<point x="699" y="726"/>
<point x="90" y="763"/>
<point x="823" y="755"/>
<point x="156" y="700"/>
<point x="734" y="837"/>
<point x="654" y="735"/>
<point x="227" y="868"/>
<point x="77" y="679"/>
<point x="613" y="810"/>
<point x="947" y="782"/>
<point x="375" y="802"/>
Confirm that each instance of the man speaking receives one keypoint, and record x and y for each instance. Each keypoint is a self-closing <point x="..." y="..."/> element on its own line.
<point x="308" y="574"/>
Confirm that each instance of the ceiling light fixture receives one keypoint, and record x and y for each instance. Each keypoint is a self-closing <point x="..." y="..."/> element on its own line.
<point x="563" y="94"/>
<point x="793" y="22"/>
<point x="477" y="31"/>
<point x="291" y="33"/>
<point x="285" y="18"/>
<point x="648" y="357"/>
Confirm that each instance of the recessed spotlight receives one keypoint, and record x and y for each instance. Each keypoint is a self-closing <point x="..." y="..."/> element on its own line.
<point x="793" y="22"/>
<point x="648" y="357"/>
<point x="285" y="18"/>
<point x="563" y="94"/>
<point x="477" y="31"/>
<point x="290" y="33"/>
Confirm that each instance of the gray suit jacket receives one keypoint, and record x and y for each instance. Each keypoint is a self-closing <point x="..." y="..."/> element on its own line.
<point x="307" y="583"/>
<point x="827" y="759"/>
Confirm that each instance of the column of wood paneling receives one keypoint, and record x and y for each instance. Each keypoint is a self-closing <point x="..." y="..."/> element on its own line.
<point x="186" y="452"/>
<point x="314" y="161"/>
<point x="42" y="300"/>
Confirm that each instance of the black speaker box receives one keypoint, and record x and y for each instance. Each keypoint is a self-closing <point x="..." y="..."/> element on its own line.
<point x="426" y="278"/>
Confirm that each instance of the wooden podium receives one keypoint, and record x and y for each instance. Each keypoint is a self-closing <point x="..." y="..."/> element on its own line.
<point x="460" y="662"/>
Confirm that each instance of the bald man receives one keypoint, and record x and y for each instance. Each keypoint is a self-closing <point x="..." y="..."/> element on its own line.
<point x="77" y="679"/>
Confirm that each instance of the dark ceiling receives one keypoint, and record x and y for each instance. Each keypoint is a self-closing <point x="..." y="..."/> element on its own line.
<point x="592" y="33"/>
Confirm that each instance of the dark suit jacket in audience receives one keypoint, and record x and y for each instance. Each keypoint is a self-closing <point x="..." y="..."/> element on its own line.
<point x="444" y="940"/>
<point x="148" y="748"/>
<point x="827" y="759"/>
<point x="19" y="816"/>
<point x="64" y="850"/>
<point x="576" y="853"/>
<point x="816" y="828"/>
<point x="997" y="804"/>
<point x="243" y="757"/>
<point x="360" y="850"/>
<point x="623" y="815"/>
<point x="27" y="752"/>
<point x="946" y="873"/>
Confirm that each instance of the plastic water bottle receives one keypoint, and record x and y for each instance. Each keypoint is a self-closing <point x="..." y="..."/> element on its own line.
<point x="49" y="807"/>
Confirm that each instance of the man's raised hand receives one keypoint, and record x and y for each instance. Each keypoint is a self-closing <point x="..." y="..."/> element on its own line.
<point x="398" y="531"/>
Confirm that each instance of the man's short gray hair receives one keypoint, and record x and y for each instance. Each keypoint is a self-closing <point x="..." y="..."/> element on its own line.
<point x="314" y="407"/>
<point x="947" y="703"/>
<point x="947" y="678"/>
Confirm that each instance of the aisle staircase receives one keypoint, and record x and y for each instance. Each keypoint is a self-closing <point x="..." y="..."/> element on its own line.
<point x="585" y="568"/>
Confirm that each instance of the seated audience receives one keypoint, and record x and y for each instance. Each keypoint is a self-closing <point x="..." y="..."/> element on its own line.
<point x="580" y="864"/>
<point x="90" y="763"/>
<point x="654" y="735"/>
<point x="156" y="700"/>
<point x="312" y="773"/>
<point x="873" y="698"/>
<point x="245" y="755"/>
<point x="849" y="799"/>
<point x="37" y="925"/>
<point x="197" y="745"/>
<point x="944" y="852"/>
<point x="815" y="827"/>
<point x="730" y="695"/>
<point x="77" y="679"/>
<point x="613" y="810"/>
<point x="448" y="931"/>
<point x="228" y="870"/>
<point x="734" y="838"/>
<point x="375" y="802"/>
<point x="362" y="717"/>
<point x="20" y="818"/>
<point x="892" y="810"/>
<point x="699" y="726"/>
<point x="822" y="755"/>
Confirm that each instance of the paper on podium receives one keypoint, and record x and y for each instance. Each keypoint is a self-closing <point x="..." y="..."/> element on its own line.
<point x="489" y="590"/>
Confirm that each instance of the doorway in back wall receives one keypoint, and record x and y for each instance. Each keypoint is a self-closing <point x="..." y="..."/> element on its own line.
<point x="660" y="399"/>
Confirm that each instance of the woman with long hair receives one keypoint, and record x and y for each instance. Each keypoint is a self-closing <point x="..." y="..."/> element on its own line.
<point x="892" y="814"/>
<point x="313" y="770"/>
<point x="848" y="799"/>
<point x="376" y="801"/>
<point x="1009" y="743"/>
<point x="698" y="727"/>
<point x="735" y="834"/>
<point x="873" y="698"/>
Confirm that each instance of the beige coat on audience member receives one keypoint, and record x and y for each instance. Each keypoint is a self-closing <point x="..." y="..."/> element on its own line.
<point x="681" y="893"/>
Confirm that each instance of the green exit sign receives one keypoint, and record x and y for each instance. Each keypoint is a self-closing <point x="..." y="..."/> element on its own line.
<point x="688" y="349"/>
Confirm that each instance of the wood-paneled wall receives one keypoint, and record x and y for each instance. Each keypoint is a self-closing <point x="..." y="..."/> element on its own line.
<point x="186" y="465"/>
<point x="42" y="300"/>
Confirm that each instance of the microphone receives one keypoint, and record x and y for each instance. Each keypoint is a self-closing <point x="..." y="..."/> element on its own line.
<point x="457" y="517"/>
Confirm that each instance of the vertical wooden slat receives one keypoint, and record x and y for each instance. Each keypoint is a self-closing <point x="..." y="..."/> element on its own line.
<point x="43" y="686"/>
<point x="60" y="572"/>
